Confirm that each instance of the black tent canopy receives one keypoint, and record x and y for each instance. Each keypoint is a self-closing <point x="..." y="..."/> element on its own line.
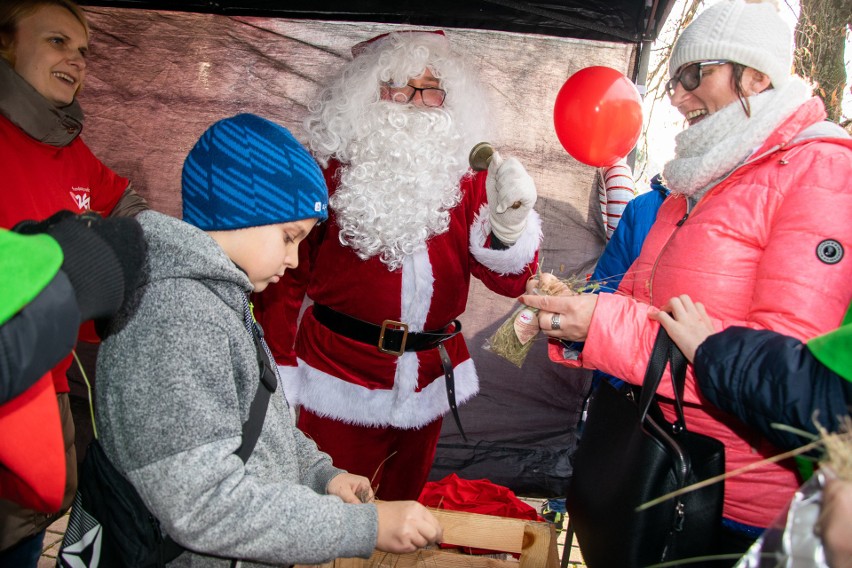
<point x="626" y="21"/>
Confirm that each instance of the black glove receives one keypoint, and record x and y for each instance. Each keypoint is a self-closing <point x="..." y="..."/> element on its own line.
<point x="103" y="258"/>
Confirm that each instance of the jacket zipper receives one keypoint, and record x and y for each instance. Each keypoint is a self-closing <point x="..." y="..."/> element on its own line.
<point x="678" y="225"/>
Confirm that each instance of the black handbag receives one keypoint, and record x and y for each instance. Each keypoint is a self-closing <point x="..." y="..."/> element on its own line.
<point x="629" y="455"/>
<point x="110" y="526"/>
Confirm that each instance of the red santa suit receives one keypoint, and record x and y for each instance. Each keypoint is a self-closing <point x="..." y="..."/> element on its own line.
<point x="355" y="397"/>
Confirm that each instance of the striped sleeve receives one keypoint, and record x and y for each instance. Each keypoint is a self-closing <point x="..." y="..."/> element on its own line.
<point x="615" y="190"/>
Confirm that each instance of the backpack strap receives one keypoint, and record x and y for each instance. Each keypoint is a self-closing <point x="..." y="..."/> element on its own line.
<point x="268" y="384"/>
<point x="257" y="412"/>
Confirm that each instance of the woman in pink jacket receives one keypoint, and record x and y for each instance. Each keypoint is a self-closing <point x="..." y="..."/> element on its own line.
<point x="758" y="227"/>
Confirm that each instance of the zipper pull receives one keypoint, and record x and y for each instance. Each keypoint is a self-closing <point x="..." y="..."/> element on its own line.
<point x="682" y="221"/>
<point x="680" y="516"/>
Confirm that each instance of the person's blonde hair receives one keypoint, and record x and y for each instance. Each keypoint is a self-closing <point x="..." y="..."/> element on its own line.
<point x="13" y="11"/>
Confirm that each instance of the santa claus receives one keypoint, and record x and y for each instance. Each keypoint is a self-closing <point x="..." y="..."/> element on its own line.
<point x="378" y="356"/>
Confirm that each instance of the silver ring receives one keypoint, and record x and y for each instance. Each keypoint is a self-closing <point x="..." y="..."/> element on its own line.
<point x="554" y="321"/>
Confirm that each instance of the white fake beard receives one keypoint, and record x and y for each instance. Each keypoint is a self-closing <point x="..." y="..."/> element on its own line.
<point x="401" y="181"/>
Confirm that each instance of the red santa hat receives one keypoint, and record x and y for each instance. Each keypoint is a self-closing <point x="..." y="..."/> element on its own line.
<point x="361" y="47"/>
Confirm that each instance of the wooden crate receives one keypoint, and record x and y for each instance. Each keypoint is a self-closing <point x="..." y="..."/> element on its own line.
<point x="536" y="543"/>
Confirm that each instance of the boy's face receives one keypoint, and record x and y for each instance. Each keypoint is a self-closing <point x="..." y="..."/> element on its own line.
<point x="264" y="253"/>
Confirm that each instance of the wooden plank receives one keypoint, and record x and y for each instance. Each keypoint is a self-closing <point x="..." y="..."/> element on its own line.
<point x="418" y="559"/>
<point x="539" y="546"/>
<point x="430" y="557"/>
<point x="481" y="531"/>
<point x="534" y="541"/>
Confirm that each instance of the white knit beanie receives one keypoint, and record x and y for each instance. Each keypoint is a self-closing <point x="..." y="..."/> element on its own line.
<point x="748" y="32"/>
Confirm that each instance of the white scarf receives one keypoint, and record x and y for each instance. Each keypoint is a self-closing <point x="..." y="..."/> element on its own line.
<point x="708" y="151"/>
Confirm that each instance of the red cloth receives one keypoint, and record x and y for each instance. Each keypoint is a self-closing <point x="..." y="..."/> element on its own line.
<point x="32" y="452"/>
<point x="476" y="496"/>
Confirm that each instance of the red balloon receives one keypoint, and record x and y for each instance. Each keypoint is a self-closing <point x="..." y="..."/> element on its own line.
<point x="598" y="115"/>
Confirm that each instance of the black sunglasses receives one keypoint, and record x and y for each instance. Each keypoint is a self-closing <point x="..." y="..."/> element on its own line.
<point x="690" y="75"/>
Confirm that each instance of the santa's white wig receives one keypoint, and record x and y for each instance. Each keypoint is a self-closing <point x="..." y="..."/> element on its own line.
<point x="401" y="164"/>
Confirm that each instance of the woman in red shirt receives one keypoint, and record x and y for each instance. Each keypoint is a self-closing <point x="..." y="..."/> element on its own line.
<point x="47" y="168"/>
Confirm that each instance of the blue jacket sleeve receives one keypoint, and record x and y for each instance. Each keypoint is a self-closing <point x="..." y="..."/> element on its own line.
<point x="628" y="238"/>
<point x="763" y="377"/>
<point x="617" y="256"/>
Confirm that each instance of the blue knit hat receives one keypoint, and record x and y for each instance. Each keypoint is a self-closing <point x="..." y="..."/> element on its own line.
<point x="246" y="171"/>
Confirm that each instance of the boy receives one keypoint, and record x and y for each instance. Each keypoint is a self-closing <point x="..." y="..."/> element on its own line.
<point x="175" y="384"/>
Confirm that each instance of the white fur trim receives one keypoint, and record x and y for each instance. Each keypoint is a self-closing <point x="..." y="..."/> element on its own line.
<point x="417" y="288"/>
<point x="329" y="396"/>
<point x="290" y="380"/>
<point x="512" y="260"/>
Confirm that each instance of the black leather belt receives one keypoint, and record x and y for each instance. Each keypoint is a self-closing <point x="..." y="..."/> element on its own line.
<point x="393" y="338"/>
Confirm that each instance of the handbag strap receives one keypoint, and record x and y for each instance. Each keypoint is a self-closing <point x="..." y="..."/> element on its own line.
<point x="678" y="367"/>
<point x="664" y="352"/>
<point x="660" y="355"/>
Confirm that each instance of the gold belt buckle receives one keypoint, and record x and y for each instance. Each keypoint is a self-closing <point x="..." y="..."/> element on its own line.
<point x="393" y="326"/>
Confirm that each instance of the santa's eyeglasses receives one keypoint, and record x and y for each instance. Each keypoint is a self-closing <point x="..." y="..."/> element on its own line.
<point x="431" y="96"/>
<point x="690" y="75"/>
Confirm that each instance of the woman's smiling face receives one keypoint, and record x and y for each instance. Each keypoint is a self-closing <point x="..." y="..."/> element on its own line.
<point x="49" y="51"/>
<point x="715" y="91"/>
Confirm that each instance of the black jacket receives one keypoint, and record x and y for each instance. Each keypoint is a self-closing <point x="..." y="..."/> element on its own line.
<point x="763" y="377"/>
<point x="38" y="337"/>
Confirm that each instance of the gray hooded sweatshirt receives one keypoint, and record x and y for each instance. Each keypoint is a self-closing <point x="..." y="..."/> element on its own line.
<point x="174" y="388"/>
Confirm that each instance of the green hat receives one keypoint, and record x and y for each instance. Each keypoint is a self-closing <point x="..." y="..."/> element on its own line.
<point x="834" y="349"/>
<point x="29" y="264"/>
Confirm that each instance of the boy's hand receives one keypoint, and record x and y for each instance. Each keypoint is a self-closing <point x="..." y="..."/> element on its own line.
<point x="351" y="488"/>
<point x="405" y="526"/>
<point x="688" y="325"/>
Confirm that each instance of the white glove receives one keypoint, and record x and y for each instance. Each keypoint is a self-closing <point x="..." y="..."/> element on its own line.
<point x="511" y="195"/>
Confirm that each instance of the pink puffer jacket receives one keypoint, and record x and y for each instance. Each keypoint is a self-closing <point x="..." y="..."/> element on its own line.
<point x="756" y="250"/>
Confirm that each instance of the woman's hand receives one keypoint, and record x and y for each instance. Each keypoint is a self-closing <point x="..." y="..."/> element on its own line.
<point x="688" y="325"/>
<point x="405" y="526"/>
<point x="351" y="488"/>
<point x="563" y="317"/>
